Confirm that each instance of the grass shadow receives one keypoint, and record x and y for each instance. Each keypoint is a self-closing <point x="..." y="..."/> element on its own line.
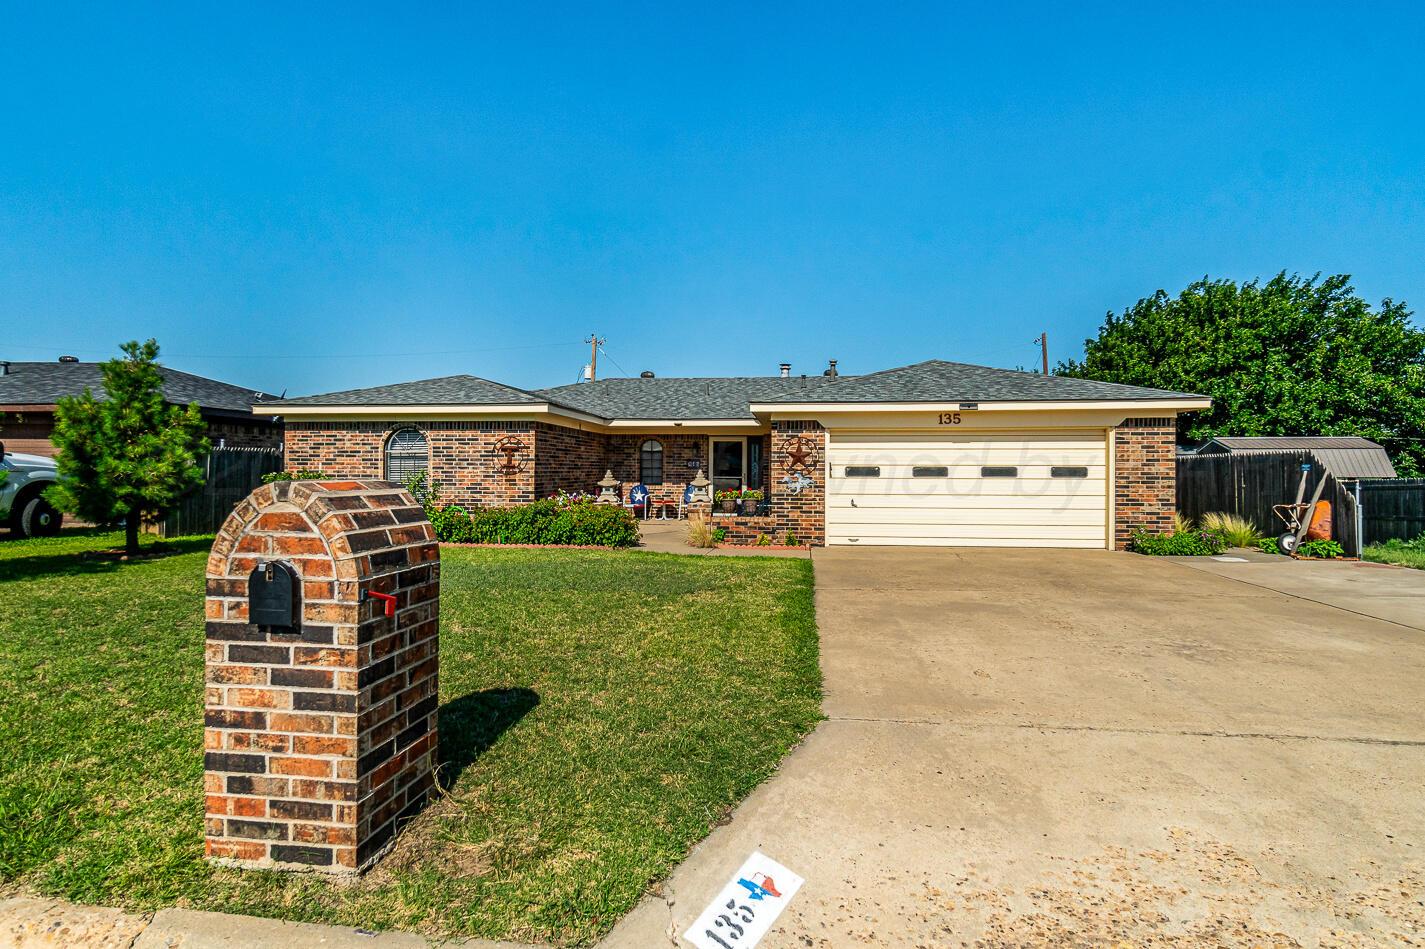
<point x="31" y="566"/>
<point x="471" y="724"/>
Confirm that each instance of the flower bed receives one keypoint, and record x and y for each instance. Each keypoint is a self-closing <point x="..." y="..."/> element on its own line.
<point x="564" y="520"/>
<point x="541" y="523"/>
<point x="1182" y="543"/>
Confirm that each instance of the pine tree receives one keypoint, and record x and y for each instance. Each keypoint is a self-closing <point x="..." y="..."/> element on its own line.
<point x="130" y="455"/>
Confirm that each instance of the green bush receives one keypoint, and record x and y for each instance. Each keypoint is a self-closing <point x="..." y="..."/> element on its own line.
<point x="452" y="525"/>
<point x="1395" y="543"/>
<point x="719" y="534"/>
<point x="1269" y="545"/>
<point x="1198" y="543"/>
<point x="303" y="474"/>
<point x="1325" y="549"/>
<point x="542" y="522"/>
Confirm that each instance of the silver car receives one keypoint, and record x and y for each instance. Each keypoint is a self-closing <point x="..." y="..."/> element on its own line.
<point x="22" y="508"/>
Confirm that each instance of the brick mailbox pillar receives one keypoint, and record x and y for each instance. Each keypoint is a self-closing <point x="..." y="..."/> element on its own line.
<point x="320" y="733"/>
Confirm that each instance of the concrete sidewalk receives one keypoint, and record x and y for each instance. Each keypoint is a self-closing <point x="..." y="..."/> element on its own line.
<point x="33" y="922"/>
<point x="671" y="537"/>
<point x="1384" y="591"/>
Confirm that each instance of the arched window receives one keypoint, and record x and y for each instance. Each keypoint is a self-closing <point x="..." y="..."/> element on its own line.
<point x="650" y="462"/>
<point x="407" y="454"/>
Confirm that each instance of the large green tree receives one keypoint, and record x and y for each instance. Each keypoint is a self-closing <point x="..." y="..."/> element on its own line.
<point x="1291" y="356"/>
<point x="130" y="455"/>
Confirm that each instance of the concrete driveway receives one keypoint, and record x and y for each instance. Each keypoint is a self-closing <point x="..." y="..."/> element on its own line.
<point x="1041" y="748"/>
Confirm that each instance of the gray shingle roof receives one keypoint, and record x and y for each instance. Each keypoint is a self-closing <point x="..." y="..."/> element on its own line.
<point x="446" y="390"/>
<point x="731" y="397"/>
<point x="45" y="383"/>
<point x="938" y="381"/>
<point x="681" y="398"/>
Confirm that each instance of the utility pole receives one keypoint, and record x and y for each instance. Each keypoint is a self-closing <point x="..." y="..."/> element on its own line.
<point x="1043" y="342"/>
<point x="594" y="343"/>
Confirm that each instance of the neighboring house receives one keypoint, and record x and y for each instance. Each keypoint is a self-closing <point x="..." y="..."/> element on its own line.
<point x="29" y="392"/>
<point x="1346" y="457"/>
<point x="937" y="453"/>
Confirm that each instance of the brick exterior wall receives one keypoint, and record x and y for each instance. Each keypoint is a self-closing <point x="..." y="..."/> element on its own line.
<point x="744" y="531"/>
<point x="803" y="513"/>
<point x="27" y="432"/>
<point x="1145" y="478"/>
<point x="567" y="459"/>
<point x="321" y="739"/>
<point x="463" y="457"/>
<point x="466" y="467"/>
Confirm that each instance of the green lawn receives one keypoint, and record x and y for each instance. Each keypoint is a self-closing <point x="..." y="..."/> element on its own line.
<point x="1407" y="553"/>
<point x="601" y="711"/>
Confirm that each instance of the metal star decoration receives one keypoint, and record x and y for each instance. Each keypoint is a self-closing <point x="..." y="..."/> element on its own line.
<point x="799" y="451"/>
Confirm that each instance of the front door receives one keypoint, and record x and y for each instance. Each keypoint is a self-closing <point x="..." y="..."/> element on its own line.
<point x="729" y="468"/>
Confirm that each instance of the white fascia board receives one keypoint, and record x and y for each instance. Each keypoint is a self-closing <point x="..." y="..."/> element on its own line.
<point x="685" y="424"/>
<point x="544" y="412"/>
<point x="788" y="409"/>
<point x="519" y="411"/>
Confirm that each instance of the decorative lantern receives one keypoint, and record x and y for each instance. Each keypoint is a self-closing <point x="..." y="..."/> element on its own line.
<point x="607" y="494"/>
<point x="701" y="486"/>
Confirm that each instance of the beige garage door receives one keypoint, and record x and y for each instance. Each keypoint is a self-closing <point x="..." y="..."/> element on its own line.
<point x="1021" y="489"/>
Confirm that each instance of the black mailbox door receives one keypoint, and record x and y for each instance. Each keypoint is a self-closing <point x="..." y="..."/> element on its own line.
<point x="272" y="598"/>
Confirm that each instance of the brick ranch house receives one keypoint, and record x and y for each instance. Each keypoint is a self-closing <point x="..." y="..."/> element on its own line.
<point x="937" y="453"/>
<point x="29" y="392"/>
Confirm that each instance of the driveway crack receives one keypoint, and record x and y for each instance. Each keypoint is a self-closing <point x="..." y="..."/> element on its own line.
<point x="1118" y="730"/>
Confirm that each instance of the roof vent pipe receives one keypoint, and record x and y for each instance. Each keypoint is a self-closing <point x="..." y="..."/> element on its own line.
<point x="69" y="359"/>
<point x="786" y="370"/>
<point x="4" y="368"/>
<point x="646" y="374"/>
<point x="831" y="368"/>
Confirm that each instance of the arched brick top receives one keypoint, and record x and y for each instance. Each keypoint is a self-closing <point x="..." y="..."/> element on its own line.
<point x="341" y="521"/>
<point x="320" y="738"/>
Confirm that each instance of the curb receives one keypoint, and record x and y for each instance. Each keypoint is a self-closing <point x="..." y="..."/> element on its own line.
<point x="35" y="922"/>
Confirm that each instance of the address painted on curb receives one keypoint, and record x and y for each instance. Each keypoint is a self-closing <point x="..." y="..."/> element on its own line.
<point x="740" y="915"/>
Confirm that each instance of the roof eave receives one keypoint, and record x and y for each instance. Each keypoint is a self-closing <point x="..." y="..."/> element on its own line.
<point x="1186" y="404"/>
<point x="649" y="423"/>
<point x="304" y="410"/>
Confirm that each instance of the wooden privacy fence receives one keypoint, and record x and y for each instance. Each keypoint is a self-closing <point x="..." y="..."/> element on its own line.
<point x="1248" y="485"/>
<point x="230" y="474"/>
<point x="1392" y="509"/>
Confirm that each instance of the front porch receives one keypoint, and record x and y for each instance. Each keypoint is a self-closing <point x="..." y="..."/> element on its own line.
<point x="667" y="462"/>
<point x="758" y="496"/>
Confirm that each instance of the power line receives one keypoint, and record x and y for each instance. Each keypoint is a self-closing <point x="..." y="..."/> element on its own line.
<point x="613" y="360"/>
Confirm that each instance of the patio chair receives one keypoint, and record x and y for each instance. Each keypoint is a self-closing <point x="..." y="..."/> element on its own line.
<point x="685" y="500"/>
<point x="637" y="498"/>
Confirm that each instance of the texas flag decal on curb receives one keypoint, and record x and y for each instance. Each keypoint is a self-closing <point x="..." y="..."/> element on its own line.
<point x="740" y="915"/>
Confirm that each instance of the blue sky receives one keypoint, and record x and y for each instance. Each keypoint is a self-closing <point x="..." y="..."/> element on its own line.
<point x="292" y="200"/>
